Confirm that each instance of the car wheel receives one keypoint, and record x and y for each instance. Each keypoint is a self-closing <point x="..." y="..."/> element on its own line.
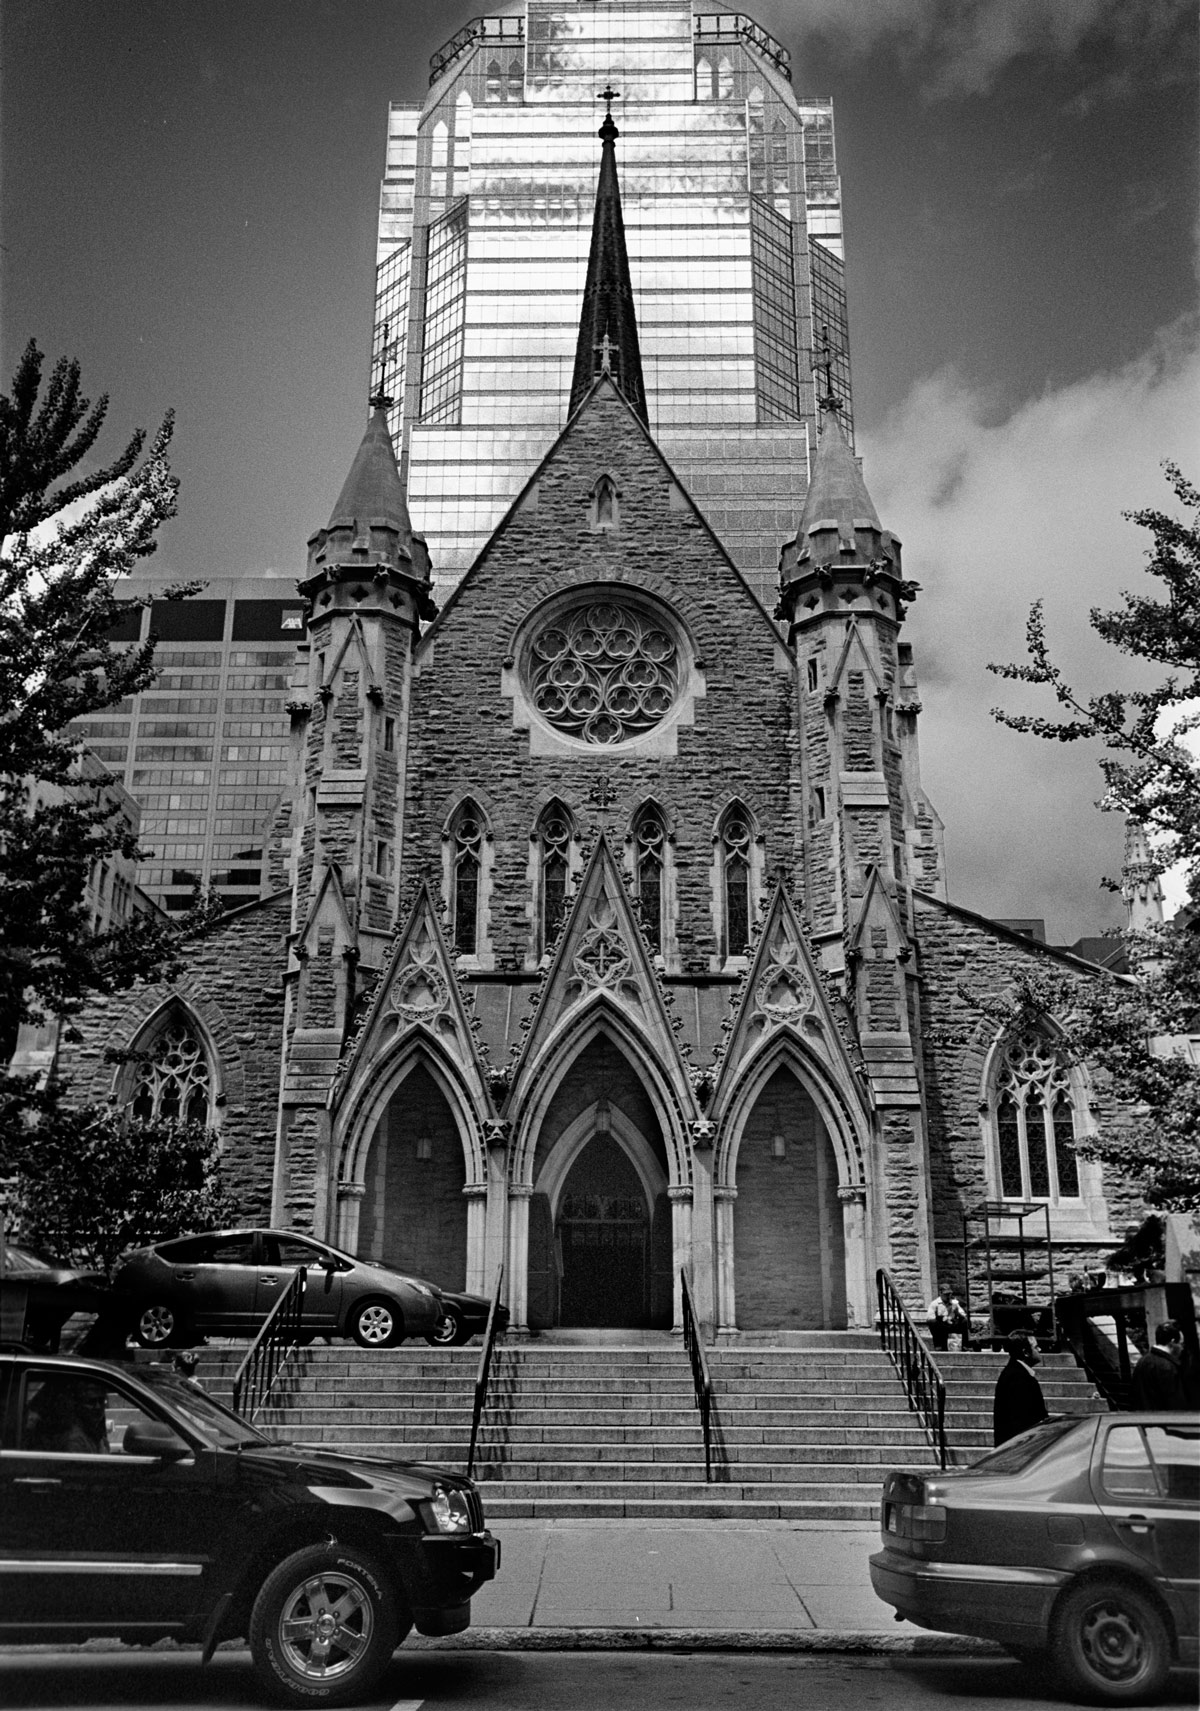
<point x="160" y="1326"/>
<point x="448" y="1330"/>
<point x="323" y="1627"/>
<point x="375" y="1324"/>
<point x="1111" y="1643"/>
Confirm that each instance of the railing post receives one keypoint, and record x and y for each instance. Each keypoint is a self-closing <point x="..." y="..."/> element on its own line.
<point x="483" y="1371"/>
<point x="693" y="1342"/>
<point x="270" y="1351"/>
<point x="918" y="1371"/>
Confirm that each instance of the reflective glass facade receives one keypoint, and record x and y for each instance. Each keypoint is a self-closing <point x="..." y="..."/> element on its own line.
<point x="205" y="749"/>
<point x="485" y="222"/>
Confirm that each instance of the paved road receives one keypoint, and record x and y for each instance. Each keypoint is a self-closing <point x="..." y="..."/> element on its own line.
<point x="525" y="1681"/>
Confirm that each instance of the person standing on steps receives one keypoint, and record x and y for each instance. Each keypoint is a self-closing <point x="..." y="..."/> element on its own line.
<point x="1158" y="1377"/>
<point x="1019" y="1403"/>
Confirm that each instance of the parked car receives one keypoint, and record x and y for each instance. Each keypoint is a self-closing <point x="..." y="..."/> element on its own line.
<point x="225" y="1282"/>
<point x="1078" y="1541"/>
<point x="464" y="1317"/>
<point x="134" y="1505"/>
<point x="38" y="1294"/>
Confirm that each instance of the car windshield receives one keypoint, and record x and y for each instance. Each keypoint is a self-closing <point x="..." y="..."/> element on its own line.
<point x="210" y="1418"/>
<point x="1019" y="1453"/>
<point x="24" y="1259"/>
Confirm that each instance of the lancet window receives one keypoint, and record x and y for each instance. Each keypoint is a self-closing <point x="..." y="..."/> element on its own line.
<point x="736" y="841"/>
<point x="1034" y="1112"/>
<point x="649" y="857"/>
<point x="554" y="833"/>
<point x="466" y="880"/>
<point x="173" y="1082"/>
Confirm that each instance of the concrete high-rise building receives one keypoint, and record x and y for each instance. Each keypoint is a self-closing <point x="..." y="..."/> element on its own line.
<point x="732" y="210"/>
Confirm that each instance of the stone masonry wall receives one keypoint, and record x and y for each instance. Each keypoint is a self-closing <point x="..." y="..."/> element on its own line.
<point x="233" y="984"/>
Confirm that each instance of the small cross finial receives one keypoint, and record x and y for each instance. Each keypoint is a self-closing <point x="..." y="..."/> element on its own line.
<point x="602" y="796"/>
<point x="609" y="127"/>
<point x="381" y="396"/>
<point x="825" y="353"/>
<point x="605" y="347"/>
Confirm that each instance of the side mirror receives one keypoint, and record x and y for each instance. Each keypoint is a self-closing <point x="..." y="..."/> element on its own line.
<point x="152" y="1438"/>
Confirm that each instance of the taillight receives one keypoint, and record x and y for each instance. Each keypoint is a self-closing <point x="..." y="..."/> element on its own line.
<point x="925" y="1523"/>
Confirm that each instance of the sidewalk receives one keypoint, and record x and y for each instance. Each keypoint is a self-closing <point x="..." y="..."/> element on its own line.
<point x="688" y="1585"/>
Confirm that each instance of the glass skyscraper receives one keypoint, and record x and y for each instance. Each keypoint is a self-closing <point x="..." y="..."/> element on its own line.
<point x="732" y="210"/>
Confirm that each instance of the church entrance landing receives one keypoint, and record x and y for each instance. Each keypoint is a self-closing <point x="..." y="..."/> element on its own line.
<point x="602" y="1240"/>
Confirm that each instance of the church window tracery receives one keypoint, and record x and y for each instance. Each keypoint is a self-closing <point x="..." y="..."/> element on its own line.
<point x="604" y="671"/>
<point x="468" y="876"/>
<point x="1034" y="1116"/>
<point x="554" y="836"/>
<point x="173" y="1083"/>
<point x="650" y="857"/>
<point x="736" y="841"/>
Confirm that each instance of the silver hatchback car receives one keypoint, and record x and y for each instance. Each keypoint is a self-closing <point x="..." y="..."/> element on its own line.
<point x="225" y="1282"/>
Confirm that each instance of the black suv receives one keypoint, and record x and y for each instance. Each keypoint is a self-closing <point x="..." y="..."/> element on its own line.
<point x="133" y="1504"/>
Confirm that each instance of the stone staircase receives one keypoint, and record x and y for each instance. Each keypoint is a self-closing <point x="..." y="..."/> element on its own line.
<point x="802" y="1432"/>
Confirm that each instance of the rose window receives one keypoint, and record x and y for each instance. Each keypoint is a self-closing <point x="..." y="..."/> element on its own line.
<point x="604" y="672"/>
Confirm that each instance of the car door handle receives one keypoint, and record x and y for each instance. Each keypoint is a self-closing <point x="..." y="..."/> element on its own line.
<point x="30" y="1480"/>
<point x="1138" y="1524"/>
<point x="186" y="1276"/>
<point x="269" y="1281"/>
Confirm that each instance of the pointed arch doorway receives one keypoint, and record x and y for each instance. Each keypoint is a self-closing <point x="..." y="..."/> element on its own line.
<point x="602" y="1240"/>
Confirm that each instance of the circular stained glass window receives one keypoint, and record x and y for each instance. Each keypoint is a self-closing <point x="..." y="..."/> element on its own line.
<point x="604" y="671"/>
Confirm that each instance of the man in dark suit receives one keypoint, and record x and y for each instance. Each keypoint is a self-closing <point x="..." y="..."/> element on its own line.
<point x="1019" y="1403"/>
<point x="1158" y="1376"/>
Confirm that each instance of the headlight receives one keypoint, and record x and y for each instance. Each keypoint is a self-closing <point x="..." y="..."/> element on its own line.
<point x="425" y="1294"/>
<point x="448" y="1510"/>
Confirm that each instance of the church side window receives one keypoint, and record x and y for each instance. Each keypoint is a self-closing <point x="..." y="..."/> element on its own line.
<point x="1034" y="1118"/>
<point x="650" y="850"/>
<point x="493" y="90"/>
<point x="173" y="1082"/>
<point x="468" y="877"/>
<point x="554" y="841"/>
<point x="735" y="848"/>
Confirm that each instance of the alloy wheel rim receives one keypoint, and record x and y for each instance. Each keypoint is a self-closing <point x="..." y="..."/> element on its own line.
<point x="326" y="1625"/>
<point x="376" y="1324"/>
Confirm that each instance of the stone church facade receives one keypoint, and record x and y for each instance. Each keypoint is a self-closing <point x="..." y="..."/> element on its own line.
<point x="608" y="933"/>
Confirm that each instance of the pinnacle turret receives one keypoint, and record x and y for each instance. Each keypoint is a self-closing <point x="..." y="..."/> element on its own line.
<point x="608" y="338"/>
<point x="369" y="529"/>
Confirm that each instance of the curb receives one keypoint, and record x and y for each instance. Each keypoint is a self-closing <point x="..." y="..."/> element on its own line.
<point x="863" y="1642"/>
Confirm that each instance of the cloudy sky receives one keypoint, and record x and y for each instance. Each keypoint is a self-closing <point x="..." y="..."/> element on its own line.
<point x="188" y="200"/>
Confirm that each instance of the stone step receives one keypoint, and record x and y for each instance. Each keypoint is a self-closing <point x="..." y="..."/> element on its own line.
<point x="707" y="1508"/>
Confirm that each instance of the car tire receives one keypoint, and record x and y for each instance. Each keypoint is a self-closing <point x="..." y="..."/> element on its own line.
<point x="449" y="1330"/>
<point x="375" y="1323"/>
<point x="161" y="1326"/>
<point x="324" y="1626"/>
<point x="1110" y="1643"/>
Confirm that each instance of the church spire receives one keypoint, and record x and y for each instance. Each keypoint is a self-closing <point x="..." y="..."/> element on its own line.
<point x="608" y="340"/>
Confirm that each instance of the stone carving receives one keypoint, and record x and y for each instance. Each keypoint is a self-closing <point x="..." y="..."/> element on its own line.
<point x="602" y="959"/>
<point x="783" y="992"/>
<point x="604" y="671"/>
<point x="420" y="992"/>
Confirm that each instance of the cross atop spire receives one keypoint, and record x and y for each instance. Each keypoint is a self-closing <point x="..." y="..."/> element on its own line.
<point x="823" y="360"/>
<point x="608" y="338"/>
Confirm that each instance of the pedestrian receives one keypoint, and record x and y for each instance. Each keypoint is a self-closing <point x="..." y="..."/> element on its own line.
<point x="1158" y="1377"/>
<point x="1018" y="1403"/>
<point x="945" y="1314"/>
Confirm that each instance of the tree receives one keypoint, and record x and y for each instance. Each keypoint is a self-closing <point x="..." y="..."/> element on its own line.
<point x="91" y="1184"/>
<point x="1132" y="1029"/>
<point x="63" y="545"/>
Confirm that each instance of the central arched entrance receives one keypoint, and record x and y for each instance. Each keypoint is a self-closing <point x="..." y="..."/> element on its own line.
<point x="602" y="1240"/>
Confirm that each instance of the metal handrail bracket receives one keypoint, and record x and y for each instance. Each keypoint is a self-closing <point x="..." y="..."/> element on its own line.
<point x="484" y="1369"/>
<point x="693" y="1342"/>
<point x="271" y="1350"/>
<point x="919" y="1372"/>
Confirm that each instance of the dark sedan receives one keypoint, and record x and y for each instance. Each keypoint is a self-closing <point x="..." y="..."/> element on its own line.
<point x="38" y="1294"/>
<point x="134" y="1506"/>
<point x="464" y="1316"/>
<point x="1078" y="1541"/>
<point x="225" y="1282"/>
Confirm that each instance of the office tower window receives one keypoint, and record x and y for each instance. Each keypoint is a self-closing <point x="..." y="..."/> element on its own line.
<point x="173" y="1083"/>
<point x="390" y="340"/>
<point x="831" y="327"/>
<point x="445" y="308"/>
<point x="776" y="368"/>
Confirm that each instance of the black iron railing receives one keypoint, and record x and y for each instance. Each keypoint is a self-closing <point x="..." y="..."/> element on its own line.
<point x="693" y="1342"/>
<point x="271" y="1350"/>
<point x="923" y="1383"/>
<point x="496" y="29"/>
<point x="483" y="1372"/>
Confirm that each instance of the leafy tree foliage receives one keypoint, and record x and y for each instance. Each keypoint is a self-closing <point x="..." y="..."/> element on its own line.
<point x="63" y="545"/>
<point x="89" y="1184"/>
<point x="1136" y="1029"/>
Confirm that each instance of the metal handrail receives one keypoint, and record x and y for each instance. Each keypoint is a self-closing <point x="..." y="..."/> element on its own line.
<point x="489" y="29"/>
<point x="483" y="1372"/>
<point x="271" y="1350"/>
<point x="693" y="1342"/>
<point x="923" y="1383"/>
